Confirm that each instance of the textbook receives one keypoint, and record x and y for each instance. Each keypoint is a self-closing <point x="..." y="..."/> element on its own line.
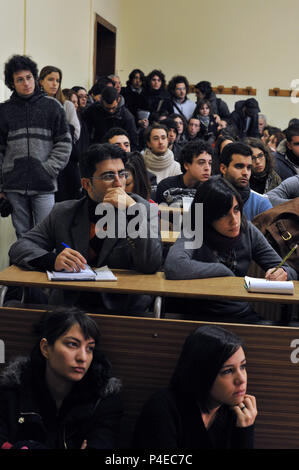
<point x="87" y="274"/>
<point x="253" y="284"/>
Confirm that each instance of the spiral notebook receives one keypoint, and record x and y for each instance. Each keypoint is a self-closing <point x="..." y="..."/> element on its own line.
<point x="88" y="274"/>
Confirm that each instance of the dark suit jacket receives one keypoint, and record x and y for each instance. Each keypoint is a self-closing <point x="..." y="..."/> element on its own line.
<point x="69" y="223"/>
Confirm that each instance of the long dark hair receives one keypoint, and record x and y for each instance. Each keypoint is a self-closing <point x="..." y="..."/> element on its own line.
<point x="47" y="70"/>
<point x="203" y="354"/>
<point x="216" y="195"/>
<point x="259" y="144"/>
<point x="54" y="324"/>
<point x="135" y="164"/>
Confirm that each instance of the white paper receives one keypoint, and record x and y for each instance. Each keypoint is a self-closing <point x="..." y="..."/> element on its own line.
<point x="86" y="274"/>
<point x="253" y="284"/>
<point x="104" y="274"/>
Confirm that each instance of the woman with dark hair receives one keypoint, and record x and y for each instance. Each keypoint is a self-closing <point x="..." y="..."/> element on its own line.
<point x="181" y="127"/>
<point x="157" y="98"/>
<point x="222" y="140"/>
<point x="230" y="243"/>
<point x="69" y="183"/>
<point x="62" y="396"/>
<point x="263" y="176"/>
<point x="138" y="180"/>
<point x="206" y="405"/>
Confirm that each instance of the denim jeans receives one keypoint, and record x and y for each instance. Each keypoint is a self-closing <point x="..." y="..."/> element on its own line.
<point x="29" y="210"/>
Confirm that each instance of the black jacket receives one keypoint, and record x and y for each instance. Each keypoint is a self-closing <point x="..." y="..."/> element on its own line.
<point x="218" y="106"/>
<point x="238" y="118"/>
<point x="28" y="414"/>
<point x="171" y="421"/>
<point x="99" y="121"/>
<point x="283" y="165"/>
<point x="157" y="102"/>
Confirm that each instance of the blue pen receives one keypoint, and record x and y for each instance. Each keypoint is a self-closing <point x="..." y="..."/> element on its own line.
<point x="66" y="246"/>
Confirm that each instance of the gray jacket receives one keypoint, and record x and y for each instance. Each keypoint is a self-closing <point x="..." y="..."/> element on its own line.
<point x="288" y="189"/>
<point x="205" y="262"/>
<point x="69" y="223"/>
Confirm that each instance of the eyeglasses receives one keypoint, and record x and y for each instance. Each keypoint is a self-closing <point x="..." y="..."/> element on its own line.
<point x="109" y="177"/>
<point x="24" y="79"/>
<point x="260" y="156"/>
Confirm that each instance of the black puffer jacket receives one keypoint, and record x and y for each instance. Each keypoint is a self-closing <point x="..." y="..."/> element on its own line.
<point x="29" y="417"/>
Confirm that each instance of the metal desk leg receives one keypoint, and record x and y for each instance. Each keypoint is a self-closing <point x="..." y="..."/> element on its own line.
<point x="157" y="307"/>
<point x="3" y="290"/>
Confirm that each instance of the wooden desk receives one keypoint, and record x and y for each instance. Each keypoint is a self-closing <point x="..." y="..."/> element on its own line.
<point x="131" y="282"/>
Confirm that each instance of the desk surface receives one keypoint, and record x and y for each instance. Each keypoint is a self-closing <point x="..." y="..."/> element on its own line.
<point x="131" y="282"/>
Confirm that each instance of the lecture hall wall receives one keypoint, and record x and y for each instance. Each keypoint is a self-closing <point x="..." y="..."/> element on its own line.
<point x="236" y="42"/>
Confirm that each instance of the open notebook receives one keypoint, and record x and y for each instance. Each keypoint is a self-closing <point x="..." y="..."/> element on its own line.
<point x="253" y="284"/>
<point x="88" y="274"/>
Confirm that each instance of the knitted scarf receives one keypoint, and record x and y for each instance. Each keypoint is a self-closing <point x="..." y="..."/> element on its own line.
<point x="158" y="162"/>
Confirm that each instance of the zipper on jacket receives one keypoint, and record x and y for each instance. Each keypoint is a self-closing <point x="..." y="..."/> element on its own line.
<point x="28" y="147"/>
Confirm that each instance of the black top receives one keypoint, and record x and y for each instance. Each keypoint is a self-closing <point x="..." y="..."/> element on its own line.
<point x="171" y="421"/>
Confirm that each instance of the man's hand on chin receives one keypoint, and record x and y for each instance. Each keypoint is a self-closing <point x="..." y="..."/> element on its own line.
<point x="118" y="198"/>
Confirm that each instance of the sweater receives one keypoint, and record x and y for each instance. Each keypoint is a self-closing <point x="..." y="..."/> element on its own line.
<point x="288" y="189"/>
<point x="161" y="165"/>
<point x="35" y="144"/>
<point x="255" y="204"/>
<point x="205" y="262"/>
<point x="169" y="421"/>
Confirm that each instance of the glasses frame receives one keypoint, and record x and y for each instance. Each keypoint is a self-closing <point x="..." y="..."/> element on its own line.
<point x="110" y="177"/>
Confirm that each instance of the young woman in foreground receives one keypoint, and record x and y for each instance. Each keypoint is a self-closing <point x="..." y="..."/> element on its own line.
<point x="62" y="396"/>
<point x="206" y="404"/>
<point x="230" y="243"/>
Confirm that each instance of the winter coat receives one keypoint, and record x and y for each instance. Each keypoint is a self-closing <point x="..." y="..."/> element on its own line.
<point x="283" y="166"/>
<point x="99" y="121"/>
<point x="35" y="144"/>
<point x="239" y="120"/>
<point x="29" y="417"/>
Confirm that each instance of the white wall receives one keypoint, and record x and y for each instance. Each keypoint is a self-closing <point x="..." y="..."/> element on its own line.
<point x="232" y="42"/>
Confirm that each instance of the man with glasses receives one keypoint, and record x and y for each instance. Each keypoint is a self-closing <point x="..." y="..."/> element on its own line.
<point x="35" y="145"/>
<point x="109" y="112"/>
<point x="178" y="88"/>
<point x="96" y="234"/>
<point x="287" y="154"/>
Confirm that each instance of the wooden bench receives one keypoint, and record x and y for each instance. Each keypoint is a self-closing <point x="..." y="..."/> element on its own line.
<point x="144" y="351"/>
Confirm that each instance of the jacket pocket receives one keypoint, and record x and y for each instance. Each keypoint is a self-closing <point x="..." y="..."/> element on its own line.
<point x="28" y="174"/>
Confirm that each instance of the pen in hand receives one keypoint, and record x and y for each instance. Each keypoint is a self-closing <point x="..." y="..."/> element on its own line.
<point x="70" y="260"/>
<point x="284" y="259"/>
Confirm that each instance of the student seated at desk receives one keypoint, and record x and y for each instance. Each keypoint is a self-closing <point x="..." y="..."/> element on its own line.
<point x="206" y="405"/>
<point x="62" y="396"/>
<point x="94" y="237"/>
<point x="230" y="243"/>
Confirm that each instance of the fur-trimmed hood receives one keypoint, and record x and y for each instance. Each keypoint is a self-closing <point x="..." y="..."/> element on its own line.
<point x="12" y="375"/>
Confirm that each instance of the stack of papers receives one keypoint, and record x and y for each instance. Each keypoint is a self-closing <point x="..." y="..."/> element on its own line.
<point x="87" y="274"/>
<point x="253" y="284"/>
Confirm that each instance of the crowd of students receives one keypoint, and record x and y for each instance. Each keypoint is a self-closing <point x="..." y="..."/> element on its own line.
<point x="143" y="143"/>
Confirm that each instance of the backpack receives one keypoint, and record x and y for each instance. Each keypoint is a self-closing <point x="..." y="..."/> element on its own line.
<point x="280" y="226"/>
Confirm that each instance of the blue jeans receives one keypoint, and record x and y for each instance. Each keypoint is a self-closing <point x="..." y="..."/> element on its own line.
<point x="29" y="210"/>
